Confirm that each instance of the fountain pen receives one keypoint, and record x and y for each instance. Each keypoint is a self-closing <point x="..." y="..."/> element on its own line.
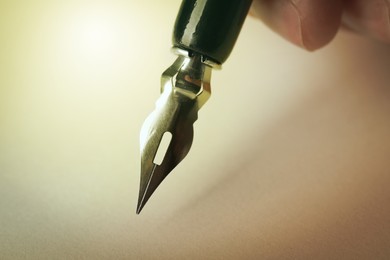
<point x="204" y="35"/>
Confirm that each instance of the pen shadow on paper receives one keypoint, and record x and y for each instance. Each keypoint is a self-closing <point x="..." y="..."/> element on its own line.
<point x="315" y="181"/>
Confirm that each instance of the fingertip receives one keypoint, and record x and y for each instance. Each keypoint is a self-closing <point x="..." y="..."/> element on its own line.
<point x="369" y="17"/>
<point x="306" y="23"/>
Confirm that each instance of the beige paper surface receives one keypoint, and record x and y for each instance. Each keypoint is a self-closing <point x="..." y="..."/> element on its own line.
<point x="290" y="157"/>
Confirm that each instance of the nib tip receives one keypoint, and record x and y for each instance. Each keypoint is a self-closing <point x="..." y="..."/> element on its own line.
<point x="138" y="210"/>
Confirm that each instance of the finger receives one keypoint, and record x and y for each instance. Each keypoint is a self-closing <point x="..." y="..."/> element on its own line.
<point x="310" y="24"/>
<point x="371" y="17"/>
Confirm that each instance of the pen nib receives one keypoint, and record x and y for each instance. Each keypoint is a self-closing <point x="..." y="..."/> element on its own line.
<point x="181" y="130"/>
<point x="185" y="88"/>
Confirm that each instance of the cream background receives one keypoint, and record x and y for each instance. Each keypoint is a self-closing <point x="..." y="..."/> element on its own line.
<point x="290" y="158"/>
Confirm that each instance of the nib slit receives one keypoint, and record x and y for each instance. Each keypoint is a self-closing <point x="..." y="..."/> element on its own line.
<point x="142" y="198"/>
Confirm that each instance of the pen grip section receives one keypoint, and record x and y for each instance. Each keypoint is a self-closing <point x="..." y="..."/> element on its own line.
<point x="210" y="27"/>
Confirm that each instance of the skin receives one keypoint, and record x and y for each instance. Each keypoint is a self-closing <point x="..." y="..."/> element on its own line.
<point x="311" y="24"/>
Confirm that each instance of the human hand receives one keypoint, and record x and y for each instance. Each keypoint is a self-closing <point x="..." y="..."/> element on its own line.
<point x="311" y="24"/>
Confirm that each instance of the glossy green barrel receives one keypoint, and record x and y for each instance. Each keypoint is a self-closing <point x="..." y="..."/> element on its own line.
<point x="210" y="27"/>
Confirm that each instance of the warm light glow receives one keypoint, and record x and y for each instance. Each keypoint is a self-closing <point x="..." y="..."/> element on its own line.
<point x="94" y="34"/>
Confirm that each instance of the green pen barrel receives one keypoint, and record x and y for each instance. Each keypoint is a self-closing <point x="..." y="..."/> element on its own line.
<point x="210" y="27"/>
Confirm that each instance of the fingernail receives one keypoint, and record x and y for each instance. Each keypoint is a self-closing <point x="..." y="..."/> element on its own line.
<point x="293" y="31"/>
